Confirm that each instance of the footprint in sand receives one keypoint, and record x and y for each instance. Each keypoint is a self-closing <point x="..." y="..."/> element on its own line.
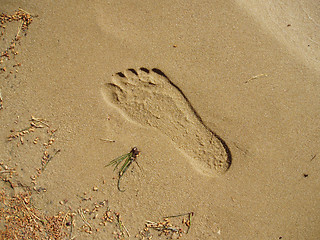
<point x="149" y="98"/>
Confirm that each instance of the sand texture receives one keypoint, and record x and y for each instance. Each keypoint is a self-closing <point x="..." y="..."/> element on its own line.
<point x="221" y="99"/>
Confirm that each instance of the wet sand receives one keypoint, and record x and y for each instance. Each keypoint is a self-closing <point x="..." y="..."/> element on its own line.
<point x="250" y="73"/>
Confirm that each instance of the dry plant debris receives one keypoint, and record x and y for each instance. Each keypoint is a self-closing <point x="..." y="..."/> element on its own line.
<point x="25" y="20"/>
<point x="19" y="15"/>
<point x="10" y="44"/>
<point x="92" y="217"/>
<point x="166" y="227"/>
<point x="6" y="173"/>
<point x="10" y="52"/>
<point x="47" y="155"/>
<point x="113" y="217"/>
<point x="21" y="220"/>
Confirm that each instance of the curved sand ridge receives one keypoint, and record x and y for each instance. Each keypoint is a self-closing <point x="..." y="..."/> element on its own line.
<point x="149" y="98"/>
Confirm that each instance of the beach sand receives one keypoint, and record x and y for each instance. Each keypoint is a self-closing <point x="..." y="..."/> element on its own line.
<point x="227" y="122"/>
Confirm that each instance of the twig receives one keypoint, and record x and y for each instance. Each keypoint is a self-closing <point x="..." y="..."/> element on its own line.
<point x="126" y="230"/>
<point x="179" y="215"/>
<point x="24" y="11"/>
<point x="49" y="159"/>
<point x="121" y="225"/>
<point x="188" y="223"/>
<point x="7" y="171"/>
<point x="84" y="219"/>
<point x="160" y="226"/>
<point x="32" y="15"/>
<point x="19" y="29"/>
<point x="42" y="221"/>
<point x="255" y="77"/>
<point x="64" y="219"/>
<point x="107" y="140"/>
<point x="71" y="230"/>
<point x="167" y="226"/>
<point x="40" y="120"/>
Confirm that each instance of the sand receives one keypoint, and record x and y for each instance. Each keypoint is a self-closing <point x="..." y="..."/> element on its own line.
<point x="230" y="131"/>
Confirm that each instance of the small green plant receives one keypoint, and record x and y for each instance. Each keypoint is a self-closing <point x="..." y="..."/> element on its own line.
<point x="129" y="158"/>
